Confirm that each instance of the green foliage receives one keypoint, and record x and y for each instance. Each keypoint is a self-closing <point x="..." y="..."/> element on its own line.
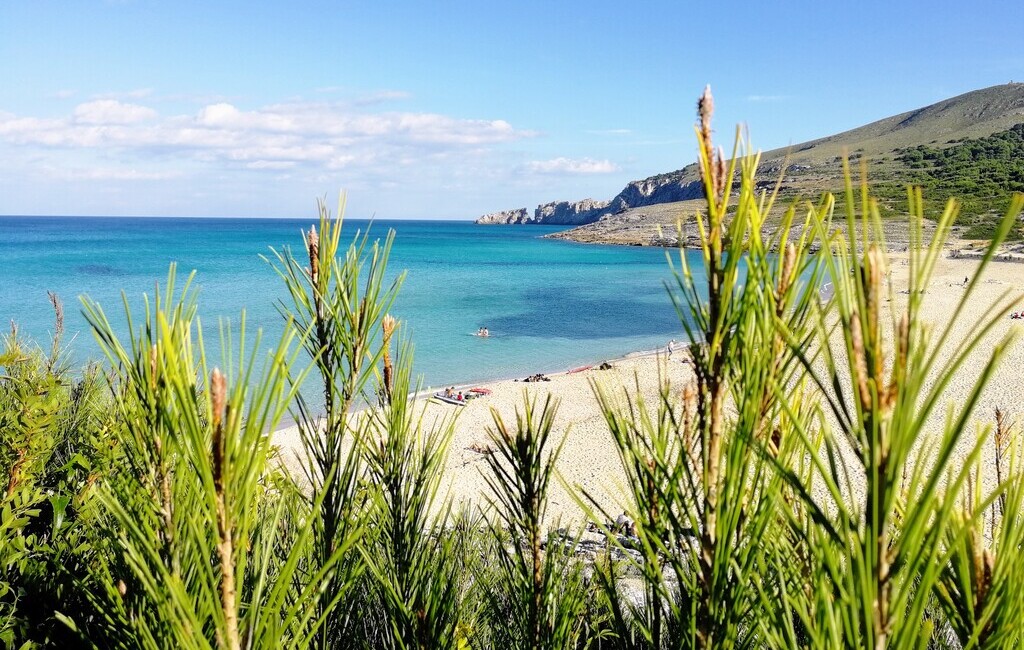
<point x="981" y="174"/>
<point x="411" y="556"/>
<point x="787" y="498"/>
<point x="338" y="303"/>
<point x="989" y="166"/>
<point x="979" y="588"/>
<point x="196" y="506"/>
<point x="877" y="552"/>
<point x="535" y="598"/>
<point x="701" y="477"/>
<point x="53" y="448"/>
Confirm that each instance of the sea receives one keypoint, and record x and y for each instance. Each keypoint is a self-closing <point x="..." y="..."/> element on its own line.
<point x="549" y="305"/>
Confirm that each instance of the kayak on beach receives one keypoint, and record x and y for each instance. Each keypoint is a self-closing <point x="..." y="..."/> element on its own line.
<point x="449" y="395"/>
<point x="449" y="400"/>
<point x="580" y="369"/>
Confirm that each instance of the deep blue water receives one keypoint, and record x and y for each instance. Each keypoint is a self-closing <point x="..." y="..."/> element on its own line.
<point x="550" y="305"/>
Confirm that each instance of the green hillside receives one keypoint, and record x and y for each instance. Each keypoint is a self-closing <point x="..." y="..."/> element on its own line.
<point x="969" y="147"/>
<point x="980" y="172"/>
<point x="972" y="115"/>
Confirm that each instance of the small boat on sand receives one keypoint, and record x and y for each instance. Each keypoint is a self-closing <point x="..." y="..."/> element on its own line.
<point x="580" y="369"/>
<point x="450" y="400"/>
<point x="481" y="391"/>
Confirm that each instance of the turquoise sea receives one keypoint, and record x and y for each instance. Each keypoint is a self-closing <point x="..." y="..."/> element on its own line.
<point x="549" y="305"/>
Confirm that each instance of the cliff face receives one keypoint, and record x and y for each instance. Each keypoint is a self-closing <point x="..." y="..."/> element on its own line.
<point x="681" y="185"/>
<point x="570" y="213"/>
<point x="506" y="216"/>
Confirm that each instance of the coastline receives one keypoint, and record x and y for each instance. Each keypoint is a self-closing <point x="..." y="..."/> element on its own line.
<point x="589" y="462"/>
<point x="588" y="453"/>
<point x="550" y="373"/>
<point x="671" y="225"/>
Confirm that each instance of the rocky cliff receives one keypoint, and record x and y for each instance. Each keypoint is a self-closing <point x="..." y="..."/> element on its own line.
<point x="566" y="213"/>
<point x="681" y="185"/>
<point x="570" y="213"/>
<point x="506" y="216"/>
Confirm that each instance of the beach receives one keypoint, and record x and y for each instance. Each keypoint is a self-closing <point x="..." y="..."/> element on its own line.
<point x="589" y="460"/>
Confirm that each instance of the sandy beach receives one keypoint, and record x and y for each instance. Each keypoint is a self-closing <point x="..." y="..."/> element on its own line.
<point x="589" y="459"/>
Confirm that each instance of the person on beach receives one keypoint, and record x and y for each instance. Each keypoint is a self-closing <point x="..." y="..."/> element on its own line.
<point x="671" y="347"/>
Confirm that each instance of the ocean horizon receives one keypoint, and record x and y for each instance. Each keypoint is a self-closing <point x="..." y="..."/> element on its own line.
<point x="549" y="305"/>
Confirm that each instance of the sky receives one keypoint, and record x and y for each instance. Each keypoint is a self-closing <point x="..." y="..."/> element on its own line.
<point x="443" y="109"/>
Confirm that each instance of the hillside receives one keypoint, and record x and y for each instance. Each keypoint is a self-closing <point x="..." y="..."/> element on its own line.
<point x="971" y="115"/>
<point x="982" y="165"/>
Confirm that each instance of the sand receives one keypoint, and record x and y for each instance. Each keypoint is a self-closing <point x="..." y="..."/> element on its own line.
<point x="589" y="459"/>
<point x="1001" y="281"/>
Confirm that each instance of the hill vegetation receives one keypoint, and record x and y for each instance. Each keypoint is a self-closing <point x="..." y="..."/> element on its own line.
<point x="973" y="114"/>
<point x="966" y="146"/>
<point x="981" y="173"/>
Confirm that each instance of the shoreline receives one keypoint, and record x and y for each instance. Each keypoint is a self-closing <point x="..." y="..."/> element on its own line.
<point x="483" y="383"/>
<point x="424" y="394"/>
<point x="590" y="463"/>
<point x="670" y="226"/>
<point x="588" y="452"/>
<point x="963" y="249"/>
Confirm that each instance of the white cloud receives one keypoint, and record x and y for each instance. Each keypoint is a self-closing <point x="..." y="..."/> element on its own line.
<point x="610" y="132"/>
<point x="110" y="111"/>
<point x="270" y="164"/>
<point x="63" y="94"/>
<point x="318" y="135"/>
<point x="571" y="166"/>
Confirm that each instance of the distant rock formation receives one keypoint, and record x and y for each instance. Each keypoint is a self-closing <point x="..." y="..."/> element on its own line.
<point x="570" y="213"/>
<point x="506" y="216"/>
<point x="675" y="186"/>
<point x="664" y="188"/>
<point x="564" y="213"/>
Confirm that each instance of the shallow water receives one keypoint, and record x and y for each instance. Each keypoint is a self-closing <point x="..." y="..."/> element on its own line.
<point x="549" y="305"/>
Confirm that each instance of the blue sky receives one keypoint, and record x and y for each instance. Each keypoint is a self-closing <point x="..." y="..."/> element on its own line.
<point x="442" y="109"/>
